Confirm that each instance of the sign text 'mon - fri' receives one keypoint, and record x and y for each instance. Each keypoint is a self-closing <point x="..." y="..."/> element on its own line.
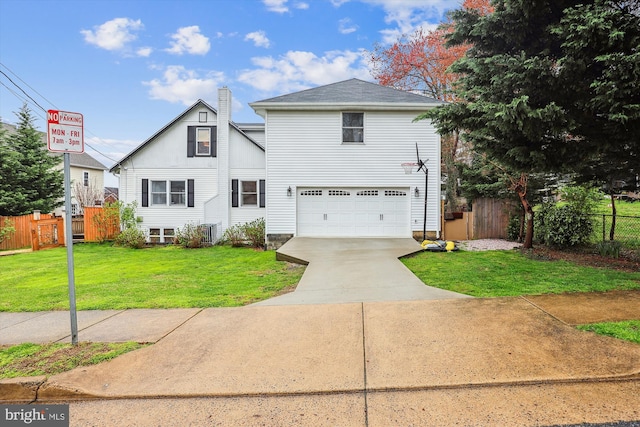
<point x="65" y="131"/>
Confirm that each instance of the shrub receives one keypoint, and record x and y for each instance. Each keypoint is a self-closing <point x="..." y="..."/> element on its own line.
<point x="513" y="228"/>
<point x="234" y="235"/>
<point x="6" y="230"/>
<point x="190" y="236"/>
<point x="254" y="231"/>
<point x="563" y="226"/>
<point x="609" y="248"/>
<point x="584" y="199"/>
<point x="133" y="238"/>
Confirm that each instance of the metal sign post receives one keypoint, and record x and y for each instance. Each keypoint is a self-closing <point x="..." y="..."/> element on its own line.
<point x="69" y="243"/>
<point x="65" y="134"/>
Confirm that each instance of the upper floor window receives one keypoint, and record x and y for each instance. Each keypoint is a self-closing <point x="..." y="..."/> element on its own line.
<point x="202" y="117"/>
<point x="352" y="128"/>
<point x="85" y="178"/>
<point x="203" y="141"/>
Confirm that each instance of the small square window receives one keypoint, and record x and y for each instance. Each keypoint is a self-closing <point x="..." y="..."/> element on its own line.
<point x="249" y="193"/>
<point x="353" y="128"/>
<point x="202" y="118"/>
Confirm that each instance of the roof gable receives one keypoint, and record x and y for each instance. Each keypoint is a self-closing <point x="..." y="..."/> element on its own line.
<point x="198" y="103"/>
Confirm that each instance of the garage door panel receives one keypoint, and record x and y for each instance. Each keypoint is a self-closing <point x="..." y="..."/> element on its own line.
<point x="348" y="212"/>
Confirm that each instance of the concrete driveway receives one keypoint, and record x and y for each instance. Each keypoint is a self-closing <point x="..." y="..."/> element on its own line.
<point x="345" y="270"/>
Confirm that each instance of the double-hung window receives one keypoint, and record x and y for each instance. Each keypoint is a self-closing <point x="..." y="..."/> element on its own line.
<point x="249" y="193"/>
<point x="168" y="193"/>
<point x="352" y="128"/>
<point x="85" y="178"/>
<point x="203" y="141"/>
<point x="176" y="194"/>
<point x="158" y="192"/>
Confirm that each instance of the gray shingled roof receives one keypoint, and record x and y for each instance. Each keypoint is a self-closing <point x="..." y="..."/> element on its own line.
<point x="353" y="91"/>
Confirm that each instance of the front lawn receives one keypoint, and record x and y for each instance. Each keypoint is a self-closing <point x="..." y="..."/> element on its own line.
<point x="628" y="330"/>
<point x="109" y="277"/>
<point x="511" y="273"/>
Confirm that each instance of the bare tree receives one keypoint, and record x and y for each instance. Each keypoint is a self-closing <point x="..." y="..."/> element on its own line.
<point x="87" y="195"/>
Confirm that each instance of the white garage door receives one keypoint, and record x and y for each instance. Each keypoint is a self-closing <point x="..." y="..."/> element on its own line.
<point x="353" y="212"/>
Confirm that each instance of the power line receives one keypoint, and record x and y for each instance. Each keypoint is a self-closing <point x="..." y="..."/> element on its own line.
<point x="40" y="106"/>
<point x="22" y="90"/>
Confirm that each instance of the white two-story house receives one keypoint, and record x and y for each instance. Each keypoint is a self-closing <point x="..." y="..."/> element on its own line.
<point x="327" y="162"/>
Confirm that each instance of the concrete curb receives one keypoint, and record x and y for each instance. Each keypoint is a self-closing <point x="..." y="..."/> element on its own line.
<point x="32" y="389"/>
<point x="20" y="390"/>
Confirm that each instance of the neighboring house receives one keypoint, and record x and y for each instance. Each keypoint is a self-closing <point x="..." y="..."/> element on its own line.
<point x="110" y="194"/>
<point x="83" y="169"/>
<point x="327" y="162"/>
<point x="200" y="168"/>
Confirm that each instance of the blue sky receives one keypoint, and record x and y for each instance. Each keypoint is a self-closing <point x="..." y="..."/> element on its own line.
<point x="132" y="66"/>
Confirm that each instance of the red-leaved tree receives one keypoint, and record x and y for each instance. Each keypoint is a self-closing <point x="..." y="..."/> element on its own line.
<point x="419" y="63"/>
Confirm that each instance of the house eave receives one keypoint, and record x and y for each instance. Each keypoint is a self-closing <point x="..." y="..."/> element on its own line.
<point x="262" y="107"/>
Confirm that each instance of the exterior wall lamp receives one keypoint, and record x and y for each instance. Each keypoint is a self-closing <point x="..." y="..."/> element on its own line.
<point x="289" y="192"/>
<point x="417" y="192"/>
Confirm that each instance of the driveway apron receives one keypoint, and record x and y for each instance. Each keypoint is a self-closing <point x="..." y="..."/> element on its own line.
<point x="345" y="270"/>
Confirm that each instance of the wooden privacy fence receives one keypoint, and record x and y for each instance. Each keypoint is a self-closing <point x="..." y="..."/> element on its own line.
<point x="488" y="220"/>
<point x="22" y="237"/>
<point x="99" y="224"/>
<point x="491" y="218"/>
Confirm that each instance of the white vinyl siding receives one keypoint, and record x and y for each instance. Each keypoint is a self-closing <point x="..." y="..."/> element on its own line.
<point x="305" y="150"/>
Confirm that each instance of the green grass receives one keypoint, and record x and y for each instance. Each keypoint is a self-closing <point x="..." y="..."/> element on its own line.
<point x="109" y="277"/>
<point x="28" y="359"/>
<point x="628" y="330"/>
<point x="510" y="273"/>
<point x="623" y="207"/>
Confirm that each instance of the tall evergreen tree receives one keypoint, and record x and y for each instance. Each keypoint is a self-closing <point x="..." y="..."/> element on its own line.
<point x="31" y="178"/>
<point x="521" y="105"/>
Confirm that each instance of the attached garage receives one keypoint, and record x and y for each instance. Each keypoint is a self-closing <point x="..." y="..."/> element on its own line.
<point x="353" y="212"/>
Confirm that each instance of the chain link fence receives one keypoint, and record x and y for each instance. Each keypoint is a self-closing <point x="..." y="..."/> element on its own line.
<point x="626" y="231"/>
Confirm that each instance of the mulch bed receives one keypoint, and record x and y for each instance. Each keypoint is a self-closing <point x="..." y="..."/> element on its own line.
<point x="628" y="260"/>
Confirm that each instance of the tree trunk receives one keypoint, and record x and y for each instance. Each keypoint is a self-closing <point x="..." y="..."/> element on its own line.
<point x="612" y="230"/>
<point x="528" y="238"/>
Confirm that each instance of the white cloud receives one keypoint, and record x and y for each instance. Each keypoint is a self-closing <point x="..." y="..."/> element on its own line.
<point x="407" y="16"/>
<point x="113" y="35"/>
<point x="110" y="150"/>
<point x="297" y="70"/>
<point x="144" y="51"/>
<point x="181" y="85"/>
<point x="259" y="38"/>
<point x="345" y="26"/>
<point x="278" y="6"/>
<point x="189" y="40"/>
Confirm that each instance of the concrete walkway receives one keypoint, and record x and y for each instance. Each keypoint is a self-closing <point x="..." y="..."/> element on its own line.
<point x="354" y="270"/>
<point x="495" y="361"/>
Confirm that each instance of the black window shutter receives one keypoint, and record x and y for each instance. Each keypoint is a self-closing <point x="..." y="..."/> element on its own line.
<point x="145" y="193"/>
<point x="214" y="141"/>
<point x="191" y="141"/>
<point x="190" y="193"/>
<point x="234" y="193"/>
<point x="262" y="193"/>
